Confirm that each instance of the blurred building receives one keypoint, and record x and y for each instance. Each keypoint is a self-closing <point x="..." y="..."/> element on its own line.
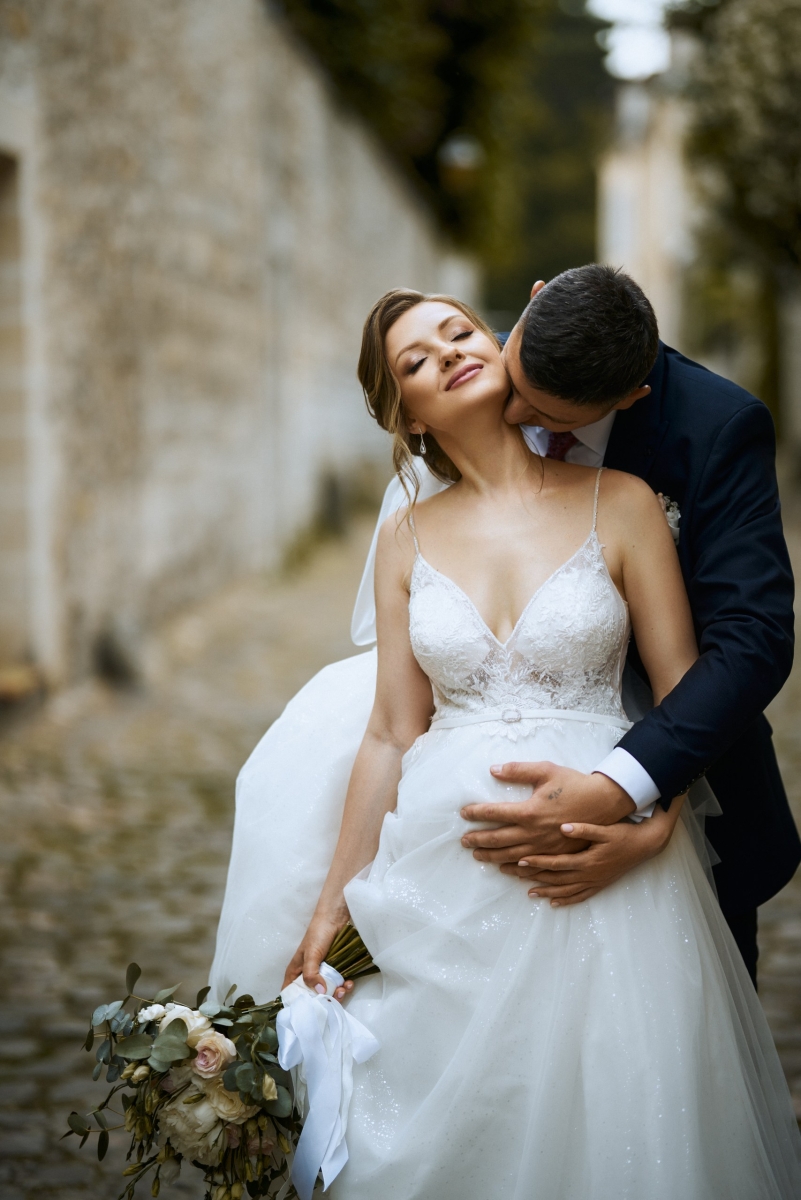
<point x="191" y="233"/>
<point x="646" y="203"/>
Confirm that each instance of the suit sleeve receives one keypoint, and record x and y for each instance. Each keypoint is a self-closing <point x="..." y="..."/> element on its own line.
<point x="740" y="585"/>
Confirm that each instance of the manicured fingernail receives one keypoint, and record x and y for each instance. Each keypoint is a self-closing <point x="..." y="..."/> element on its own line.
<point x="566" y="828"/>
<point x="319" y="987"/>
<point x="522" y="863"/>
<point x="533" y="893"/>
<point x="496" y="770"/>
<point x="554" y="904"/>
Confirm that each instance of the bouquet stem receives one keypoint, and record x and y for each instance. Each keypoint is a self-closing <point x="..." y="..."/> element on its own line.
<point x="349" y="955"/>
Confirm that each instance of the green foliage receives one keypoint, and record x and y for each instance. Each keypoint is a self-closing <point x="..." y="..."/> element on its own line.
<point x="746" y="143"/>
<point x="747" y="126"/>
<point x="495" y="110"/>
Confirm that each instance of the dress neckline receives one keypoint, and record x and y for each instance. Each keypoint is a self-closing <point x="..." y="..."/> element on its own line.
<point x="591" y="537"/>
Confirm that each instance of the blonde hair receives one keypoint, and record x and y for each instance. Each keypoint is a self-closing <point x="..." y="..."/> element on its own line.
<point x="382" y="392"/>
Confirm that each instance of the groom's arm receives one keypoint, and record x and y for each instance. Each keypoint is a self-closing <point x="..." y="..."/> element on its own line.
<point x="740" y="585"/>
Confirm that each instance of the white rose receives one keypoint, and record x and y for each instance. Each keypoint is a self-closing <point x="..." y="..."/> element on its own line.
<point x="194" y="1130"/>
<point x="154" y="1012"/>
<point x="196" y="1023"/>
<point x="214" y="1053"/>
<point x="228" y="1105"/>
<point x="672" y="514"/>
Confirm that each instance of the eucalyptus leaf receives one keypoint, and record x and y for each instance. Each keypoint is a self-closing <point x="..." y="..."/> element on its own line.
<point x="138" y="1046"/>
<point x="229" y="1078"/>
<point x="113" y="1009"/>
<point x="282" y="1106"/>
<point x="244" y="1076"/>
<point x="165" y="994"/>
<point x="99" y="1015"/>
<point x="229" y="993"/>
<point x="82" y="1142"/>
<point x="100" y="1117"/>
<point x="131" y="976"/>
<point x="104" y="1051"/>
<point x="102" y="1145"/>
<point x="98" y="1067"/>
<point x="113" y="1073"/>
<point x="201" y="996"/>
<point x="244" y="1001"/>
<point x="78" y="1123"/>
<point x="90" y="1040"/>
<point x="268" y="1038"/>
<point x="176" y="1031"/>
<point x="222" y="1021"/>
<point x="209" y="1009"/>
<point x="165" y="1056"/>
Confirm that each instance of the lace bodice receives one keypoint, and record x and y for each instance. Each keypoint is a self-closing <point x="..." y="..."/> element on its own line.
<point x="566" y="651"/>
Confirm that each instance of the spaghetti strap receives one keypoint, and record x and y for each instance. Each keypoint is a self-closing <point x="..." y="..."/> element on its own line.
<point x="595" y="502"/>
<point x="414" y="532"/>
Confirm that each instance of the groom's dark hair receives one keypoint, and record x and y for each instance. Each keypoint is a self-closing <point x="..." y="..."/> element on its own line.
<point x="589" y="336"/>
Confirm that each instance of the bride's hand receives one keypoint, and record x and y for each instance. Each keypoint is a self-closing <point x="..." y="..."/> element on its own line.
<point x="311" y="952"/>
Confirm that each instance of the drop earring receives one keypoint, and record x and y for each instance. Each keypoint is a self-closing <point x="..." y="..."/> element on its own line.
<point x="422" y="444"/>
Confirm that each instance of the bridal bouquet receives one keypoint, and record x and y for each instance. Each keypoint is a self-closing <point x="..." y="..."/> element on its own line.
<point x="227" y="1088"/>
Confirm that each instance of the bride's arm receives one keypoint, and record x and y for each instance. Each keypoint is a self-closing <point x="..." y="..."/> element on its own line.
<point x="401" y="712"/>
<point x="653" y="587"/>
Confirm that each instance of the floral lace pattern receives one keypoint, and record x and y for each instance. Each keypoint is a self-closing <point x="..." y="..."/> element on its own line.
<point x="566" y="651"/>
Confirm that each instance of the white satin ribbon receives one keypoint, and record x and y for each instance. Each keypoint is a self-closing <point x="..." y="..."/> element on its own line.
<point x="318" y="1041"/>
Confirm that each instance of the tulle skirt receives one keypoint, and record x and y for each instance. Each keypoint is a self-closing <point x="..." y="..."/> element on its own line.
<point x="611" y="1049"/>
<point x="289" y="799"/>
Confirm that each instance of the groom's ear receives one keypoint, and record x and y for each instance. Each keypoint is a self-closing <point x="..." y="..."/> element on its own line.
<point x="632" y="398"/>
<point x="538" y="286"/>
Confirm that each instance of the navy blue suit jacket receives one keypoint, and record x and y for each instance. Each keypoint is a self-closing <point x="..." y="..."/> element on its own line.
<point x="710" y="446"/>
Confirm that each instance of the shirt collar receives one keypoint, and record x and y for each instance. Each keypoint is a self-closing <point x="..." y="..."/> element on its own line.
<point x="595" y="436"/>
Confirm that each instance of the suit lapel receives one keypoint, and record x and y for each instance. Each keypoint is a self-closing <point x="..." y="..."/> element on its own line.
<point x="639" y="430"/>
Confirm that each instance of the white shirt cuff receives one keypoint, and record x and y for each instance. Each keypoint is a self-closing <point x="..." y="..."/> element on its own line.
<point x="633" y="778"/>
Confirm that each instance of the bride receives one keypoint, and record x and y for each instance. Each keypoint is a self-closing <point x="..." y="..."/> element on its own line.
<point x="608" y="1049"/>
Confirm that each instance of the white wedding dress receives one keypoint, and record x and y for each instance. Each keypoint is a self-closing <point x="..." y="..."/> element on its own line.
<point x="610" y="1049"/>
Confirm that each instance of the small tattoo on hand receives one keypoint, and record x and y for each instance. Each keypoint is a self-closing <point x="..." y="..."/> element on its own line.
<point x="554" y="795"/>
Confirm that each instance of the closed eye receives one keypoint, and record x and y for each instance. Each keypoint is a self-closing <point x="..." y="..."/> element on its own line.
<point x="465" y="334"/>
<point x="415" y="366"/>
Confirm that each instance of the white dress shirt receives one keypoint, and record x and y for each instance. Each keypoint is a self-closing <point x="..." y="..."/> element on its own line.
<point x="621" y="766"/>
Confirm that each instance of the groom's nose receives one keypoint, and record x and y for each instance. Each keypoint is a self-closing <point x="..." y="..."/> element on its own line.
<point x="518" y="411"/>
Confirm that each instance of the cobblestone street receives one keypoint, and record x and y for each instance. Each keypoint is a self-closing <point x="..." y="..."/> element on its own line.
<point x="116" y="815"/>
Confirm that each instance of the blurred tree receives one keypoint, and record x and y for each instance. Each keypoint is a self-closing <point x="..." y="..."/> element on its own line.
<point x="746" y="139"/>
<point x="747" y="125"/>
<point x="495" y="110"/>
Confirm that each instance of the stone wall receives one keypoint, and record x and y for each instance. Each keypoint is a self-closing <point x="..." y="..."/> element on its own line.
<point x="202" y="231"/>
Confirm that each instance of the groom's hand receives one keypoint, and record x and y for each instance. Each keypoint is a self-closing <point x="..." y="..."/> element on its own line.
<point x="612" y="851"/>
<point x="532" y="826"/>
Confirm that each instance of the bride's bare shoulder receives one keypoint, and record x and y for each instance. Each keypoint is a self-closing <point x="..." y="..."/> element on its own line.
<point x="629" y="499"/>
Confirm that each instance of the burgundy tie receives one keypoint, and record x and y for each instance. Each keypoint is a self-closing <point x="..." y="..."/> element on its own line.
<point x="559" y="444"/>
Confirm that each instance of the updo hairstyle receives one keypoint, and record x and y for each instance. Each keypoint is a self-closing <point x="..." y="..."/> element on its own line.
<point x="382" y="392"/>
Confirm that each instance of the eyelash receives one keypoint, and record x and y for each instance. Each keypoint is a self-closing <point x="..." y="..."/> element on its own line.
<point x="465" y="334"/>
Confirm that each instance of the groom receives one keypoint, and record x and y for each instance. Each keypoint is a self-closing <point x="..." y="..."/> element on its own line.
<point x="708" y="446"/>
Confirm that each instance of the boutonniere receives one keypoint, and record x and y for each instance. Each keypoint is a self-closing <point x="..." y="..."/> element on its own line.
<point x="672" y="514"/>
